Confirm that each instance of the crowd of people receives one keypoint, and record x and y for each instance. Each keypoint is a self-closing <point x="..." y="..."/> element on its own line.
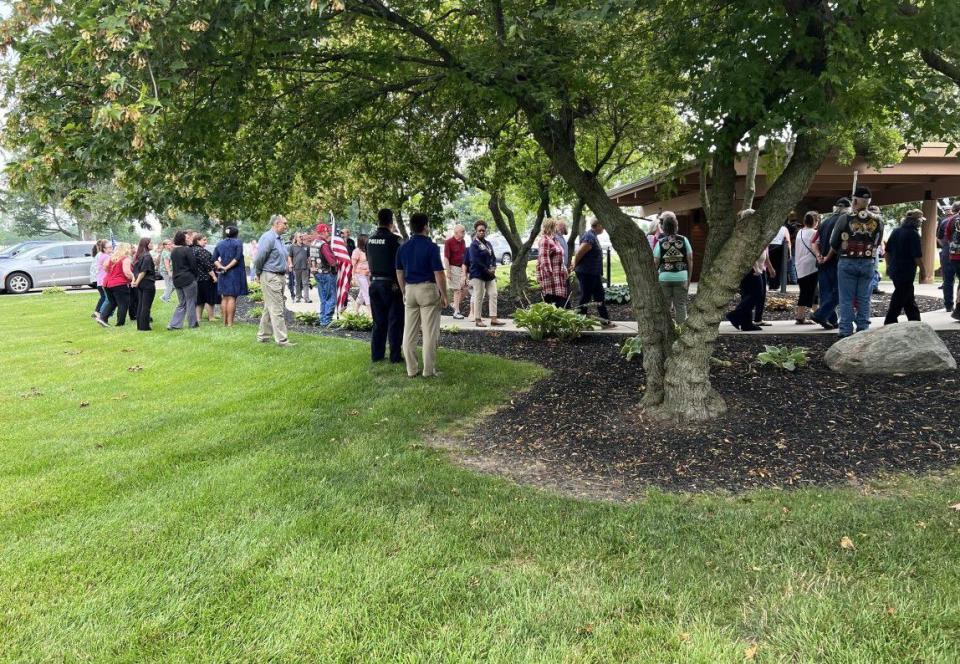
<point x="127" y="279"/>
<point x="836" y="261"/>
<point x="406" y="285"/>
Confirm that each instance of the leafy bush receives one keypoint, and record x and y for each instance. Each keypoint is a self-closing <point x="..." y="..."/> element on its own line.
<point x="256" y="312"/>
<point x="450" y="329"/>
<point x="783" y="357"/>
<point x="618" y="294"/>
<point x="307" y="318"/>
<point x="353" y="321"/>
<point x="256" y="296"/>
<point x="631" y="348"/>
<point x="544" y="321"/>
<point x="53" y="290"/>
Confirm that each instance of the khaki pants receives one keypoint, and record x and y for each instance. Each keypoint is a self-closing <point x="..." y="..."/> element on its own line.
<point x="421" y="311"/>
<point x="675" y="293"/>
<point x="483" y="289"/>
<point x="272" y="321"/>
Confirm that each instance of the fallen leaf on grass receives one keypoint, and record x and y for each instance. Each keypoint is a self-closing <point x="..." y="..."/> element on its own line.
<point x="135" y="368"/>
<point x="751" y="652"/>
<point x="84" y="404"/>
<point x="684" y="637"/>
<point x="120" y="397"/>
<point x="585" y="629"/>
<point x="846" y="543"/>
<point x="127" y="350"/>
<point x="955" y="507"/>
<point x="73" y="352"/>
<point x="34" y="392"/>
<point x="890" y="610"/>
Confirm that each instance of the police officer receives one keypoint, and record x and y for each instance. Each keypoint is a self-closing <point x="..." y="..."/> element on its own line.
<point x="386" y="299"/>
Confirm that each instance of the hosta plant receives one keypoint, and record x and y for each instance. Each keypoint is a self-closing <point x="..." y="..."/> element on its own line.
<point x="631" y="348"/>
<point x="618" y="294"/>
<point x="783" y="357"/>
<point x="546" y="321"/>
<point x="353" y="321"/>
<point x="307" y="318"/>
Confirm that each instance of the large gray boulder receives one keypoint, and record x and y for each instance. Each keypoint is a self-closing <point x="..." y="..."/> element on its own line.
<point x="903" y="348"/>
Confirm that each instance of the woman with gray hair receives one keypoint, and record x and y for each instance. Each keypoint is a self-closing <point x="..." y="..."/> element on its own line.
<point x="673" y="257"/>
<point x="904" y="256"/>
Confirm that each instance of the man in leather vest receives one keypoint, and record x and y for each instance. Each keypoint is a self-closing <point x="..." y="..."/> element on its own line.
<point x="855" y="239"/>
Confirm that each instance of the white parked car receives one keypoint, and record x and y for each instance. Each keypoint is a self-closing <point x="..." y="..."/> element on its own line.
<point x="48" y="264"/>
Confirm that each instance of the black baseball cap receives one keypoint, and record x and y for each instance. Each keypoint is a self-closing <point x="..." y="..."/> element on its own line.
<point x="862" y="192"/>
<point x="843" y="202"/>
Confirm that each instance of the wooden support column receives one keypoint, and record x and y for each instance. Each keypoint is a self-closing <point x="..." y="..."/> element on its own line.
<point x="928" y="240"/>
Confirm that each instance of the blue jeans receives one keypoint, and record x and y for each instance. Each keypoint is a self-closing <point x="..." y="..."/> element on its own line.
<point x="855" y="276"/>
<point x="875" y="281"/>
<point x="327" y="288"/>
<point x="829" y="293"/>
<point x="949" y="272"/>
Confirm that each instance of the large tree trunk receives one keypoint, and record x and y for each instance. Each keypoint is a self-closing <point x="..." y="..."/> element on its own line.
<point x="688" y="395"/>
<point x="557" y="139"/>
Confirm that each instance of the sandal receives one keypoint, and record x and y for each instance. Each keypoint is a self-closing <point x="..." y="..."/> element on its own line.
<point x="497" y="323"/>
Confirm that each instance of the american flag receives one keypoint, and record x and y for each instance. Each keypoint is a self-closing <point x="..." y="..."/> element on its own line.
<point x="344" y="272"/>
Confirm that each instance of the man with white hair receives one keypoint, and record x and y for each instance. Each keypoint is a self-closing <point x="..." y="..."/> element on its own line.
<point x="856" y="238"/>
<point x="454" y="250"/>
<point x="270" y="266"/>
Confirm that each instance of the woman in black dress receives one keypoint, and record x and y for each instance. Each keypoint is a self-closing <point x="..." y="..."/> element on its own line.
<point x="207" y="280"/>
<point x="144" y="282"/>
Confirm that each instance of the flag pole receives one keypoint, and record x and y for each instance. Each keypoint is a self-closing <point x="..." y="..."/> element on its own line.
<point x="853" y="191"/>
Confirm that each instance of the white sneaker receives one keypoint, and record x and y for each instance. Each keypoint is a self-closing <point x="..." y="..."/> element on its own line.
<point x="457" y="315"/>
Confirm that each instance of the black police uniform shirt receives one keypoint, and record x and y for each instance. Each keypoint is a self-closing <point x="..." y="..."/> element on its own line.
<point x="382" y="249"/>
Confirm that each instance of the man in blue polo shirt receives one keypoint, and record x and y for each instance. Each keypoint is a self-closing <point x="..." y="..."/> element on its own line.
<point x="424" y="286"/>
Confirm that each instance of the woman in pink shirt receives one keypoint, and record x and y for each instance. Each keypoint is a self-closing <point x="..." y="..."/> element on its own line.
<point x="101" y="253"/>
<point x="361" y="270"/>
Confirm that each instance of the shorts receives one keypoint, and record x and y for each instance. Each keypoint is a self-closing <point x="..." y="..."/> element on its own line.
<point x="456" y="278"/>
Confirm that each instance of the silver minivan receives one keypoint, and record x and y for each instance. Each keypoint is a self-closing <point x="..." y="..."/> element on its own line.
<point x="49" y="264"/>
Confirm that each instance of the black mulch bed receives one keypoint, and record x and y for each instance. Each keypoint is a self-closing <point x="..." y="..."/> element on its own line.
<point x="578" y="430"/>
<point x="506" y="305"/>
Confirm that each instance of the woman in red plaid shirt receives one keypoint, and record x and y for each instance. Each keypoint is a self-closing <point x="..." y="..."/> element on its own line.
<point x="551" y="271"/>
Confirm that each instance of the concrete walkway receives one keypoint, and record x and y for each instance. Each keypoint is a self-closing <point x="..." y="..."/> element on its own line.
<point x="939" y="320"/>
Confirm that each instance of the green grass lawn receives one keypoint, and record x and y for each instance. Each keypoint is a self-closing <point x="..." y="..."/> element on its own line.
<point x="235" y="501"/>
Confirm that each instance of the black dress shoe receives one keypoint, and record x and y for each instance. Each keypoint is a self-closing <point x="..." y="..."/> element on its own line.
<point x="732" y="321"/>
<point x="750" y="327"/>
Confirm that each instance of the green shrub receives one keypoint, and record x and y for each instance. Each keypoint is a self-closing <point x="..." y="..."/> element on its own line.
<point x="256" y="312"/>
<point x="450" y="329"/>
<point x="256" y="296"/>
<point x="618" y="294"/>
<point x="307" y="318"/>
<point x="53" y="290"/>
<point x="783" y="357"/>
<point x="545" y="321"/>
<point x="254" y="287"/>
<point x="353" y="321"/>
<point x="631" y="348"/>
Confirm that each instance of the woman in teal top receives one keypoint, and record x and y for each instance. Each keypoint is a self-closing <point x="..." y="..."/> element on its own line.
<point x="673" y="257"/>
